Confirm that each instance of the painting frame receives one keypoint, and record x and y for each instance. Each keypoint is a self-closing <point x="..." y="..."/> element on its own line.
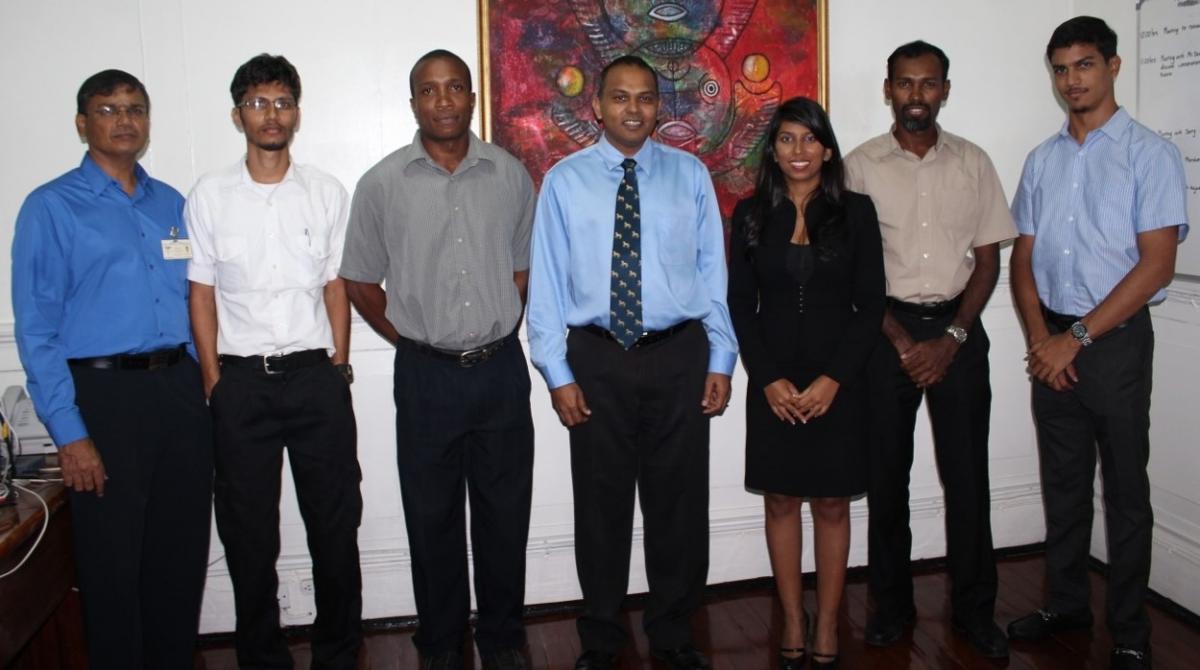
<point x="727" y="145"/>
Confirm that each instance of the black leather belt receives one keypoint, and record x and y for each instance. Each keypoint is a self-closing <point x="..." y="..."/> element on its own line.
<point x="465" y="358"/>
<point x="279" y="363"/>
<point x="152" y="360"/>
<point x="926" y="310"/>
<point x="1063" y="322"/>
<point x="1060" y="321"/>
<point x="645" y="340"/>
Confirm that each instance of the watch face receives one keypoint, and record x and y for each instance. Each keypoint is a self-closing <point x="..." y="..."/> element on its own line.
<point x="1078" y="330"/>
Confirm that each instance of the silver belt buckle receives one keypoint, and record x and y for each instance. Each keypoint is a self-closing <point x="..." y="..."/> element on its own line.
<point x="472" y="357"/>
<point x="267" y="364"/>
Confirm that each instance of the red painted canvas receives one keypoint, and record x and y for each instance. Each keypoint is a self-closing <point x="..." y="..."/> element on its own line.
<point x="723" y="68"/>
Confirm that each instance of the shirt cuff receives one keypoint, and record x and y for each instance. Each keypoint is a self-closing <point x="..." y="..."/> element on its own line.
<point x="721" y="361"/>
<point x="557" y="373"/>
<point x="66" y="427"/>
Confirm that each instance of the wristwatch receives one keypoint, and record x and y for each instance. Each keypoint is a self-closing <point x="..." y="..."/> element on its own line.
<point x="957" y="332"/>
<point x="346" y="370"/>
<point x="1080" y="333"/>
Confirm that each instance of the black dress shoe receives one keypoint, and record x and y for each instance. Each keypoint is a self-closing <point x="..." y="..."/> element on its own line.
<point x="595" y="660"/>
<point x="447" y="660"/>
<point x="1128" y="658"/>
<point x="1041" y="624"/>
<point x="883" y="629"/>
<point x="505" y="659"/>
<point x="987" y="638"/>
<point x="686" y="657"/>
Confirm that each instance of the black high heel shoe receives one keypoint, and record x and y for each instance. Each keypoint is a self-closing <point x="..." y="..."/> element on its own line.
<point x="826" y="661"/>
<point x="792" y="662"/>
<point x="800" y="660"/>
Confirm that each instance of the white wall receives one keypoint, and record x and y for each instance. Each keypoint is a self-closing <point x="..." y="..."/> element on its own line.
<point x="354" y="61"/>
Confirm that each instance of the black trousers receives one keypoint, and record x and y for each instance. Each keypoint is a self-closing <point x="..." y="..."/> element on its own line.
<point x="1109" y="411"/>
<point x="308" y="412"/>
<point x="458" y="431"/>
<point x="959" y="411"/>
<point x="141" y="551"/>
<point x="646" y="432"/>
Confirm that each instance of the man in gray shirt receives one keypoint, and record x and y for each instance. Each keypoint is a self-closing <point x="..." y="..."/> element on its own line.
<point x="446" y="221"/>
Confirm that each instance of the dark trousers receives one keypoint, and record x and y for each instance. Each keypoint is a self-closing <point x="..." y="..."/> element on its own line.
<point x="959" y="411"/>
<point x="141" y="551"/>
<point x="463" y="430"/>
<point x="257" y="415"/>
<point x="1109" y="408"/>
<point x="646" y="432"/>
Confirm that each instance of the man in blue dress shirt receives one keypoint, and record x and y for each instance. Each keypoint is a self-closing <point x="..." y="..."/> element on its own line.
<point x="1100" y="210"/>
<point x="100" y="298"/>
<point x="629" y="327"/>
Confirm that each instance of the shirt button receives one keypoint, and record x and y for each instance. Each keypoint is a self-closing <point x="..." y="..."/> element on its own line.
<point x="922" y="194"/>
<point x="143" y="234"/>
<point x="1067" y="251"/>
<point x="924" y="224"/>
<point x="467" y="303"/>
<point x="463" y="271"/>
<point x="924" y="255"/>
<point x="459" y="240"/>
<point x="1075" y="185"/>
<point x="456" y="209"/>
<point x="1070" y="218"/>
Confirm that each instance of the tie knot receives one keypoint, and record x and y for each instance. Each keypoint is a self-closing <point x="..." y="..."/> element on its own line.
<point x="628" y="164"/>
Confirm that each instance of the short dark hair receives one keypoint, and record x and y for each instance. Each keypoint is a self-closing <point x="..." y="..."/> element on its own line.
<point x="106" y="83"/>
<point x="264" y="69"/>
<point x="437" y="54"/>
<point x="1084" y="30"/>
<point x="626" y="60"/>
<point x="916" y="49"/>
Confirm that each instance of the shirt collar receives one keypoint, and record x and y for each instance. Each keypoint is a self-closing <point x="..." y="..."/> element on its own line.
<point x="289" y="177"/>
<point x="612" y="158"/>
<point x="477" y="150"/>
<point x="890" y="146"/>
<point x="1115" y="127"/>
<point x="98" y="180"/>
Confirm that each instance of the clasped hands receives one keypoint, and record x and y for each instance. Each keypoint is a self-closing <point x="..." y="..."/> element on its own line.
<point x="926" y="362"/>
<point x="1051" y="360"/>
<point x="791" y="404"/>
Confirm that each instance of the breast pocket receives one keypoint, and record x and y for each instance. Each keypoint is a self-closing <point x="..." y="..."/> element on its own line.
<point x="233" y="263"/>
<point x="313" y="258"/>
<point x="677" y="243"/>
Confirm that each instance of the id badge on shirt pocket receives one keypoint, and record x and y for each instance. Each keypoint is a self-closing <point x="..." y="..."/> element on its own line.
<point x="176" y="249"/>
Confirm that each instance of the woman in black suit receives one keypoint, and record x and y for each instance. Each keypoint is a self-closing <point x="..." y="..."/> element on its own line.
<point x="806" y="294"/>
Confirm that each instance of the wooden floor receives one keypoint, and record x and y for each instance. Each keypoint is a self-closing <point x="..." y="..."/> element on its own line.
<point x="739" y="629"/>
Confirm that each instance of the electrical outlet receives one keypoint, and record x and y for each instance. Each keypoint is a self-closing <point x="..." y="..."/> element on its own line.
<point x="307" y="587"/>
<point x="284" y="601"/>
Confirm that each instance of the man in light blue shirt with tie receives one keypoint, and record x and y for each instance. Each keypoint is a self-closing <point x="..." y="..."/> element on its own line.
<point x="628" y="325"/>
<point x="1100" y="210"/>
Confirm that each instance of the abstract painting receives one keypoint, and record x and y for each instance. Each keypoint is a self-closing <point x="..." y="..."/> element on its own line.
<point x="723" y="68"/>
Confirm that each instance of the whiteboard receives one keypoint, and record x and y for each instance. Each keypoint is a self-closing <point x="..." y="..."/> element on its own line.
<point x="1169" y="95"/>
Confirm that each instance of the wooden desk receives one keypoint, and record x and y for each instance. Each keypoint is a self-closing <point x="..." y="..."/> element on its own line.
<point x="40" y="623"/>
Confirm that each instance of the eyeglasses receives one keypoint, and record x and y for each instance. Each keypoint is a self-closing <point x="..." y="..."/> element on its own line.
<point x="137" y="112"/>
<point x="261" y="104"/>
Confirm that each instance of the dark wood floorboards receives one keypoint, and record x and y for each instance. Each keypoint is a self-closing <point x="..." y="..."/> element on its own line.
<point x="739" y="629"/>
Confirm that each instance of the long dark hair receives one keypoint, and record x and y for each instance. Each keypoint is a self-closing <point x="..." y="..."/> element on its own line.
<point x="771" y="187"/>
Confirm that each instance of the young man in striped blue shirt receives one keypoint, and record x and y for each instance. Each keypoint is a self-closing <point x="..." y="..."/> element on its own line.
<point x="1100" y="210"/>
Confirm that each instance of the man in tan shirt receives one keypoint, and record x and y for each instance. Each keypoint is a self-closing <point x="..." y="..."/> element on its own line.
<point x="942" y="214"/>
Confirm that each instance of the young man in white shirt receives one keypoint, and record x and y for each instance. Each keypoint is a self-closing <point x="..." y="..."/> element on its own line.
<point x="271" y="322"/>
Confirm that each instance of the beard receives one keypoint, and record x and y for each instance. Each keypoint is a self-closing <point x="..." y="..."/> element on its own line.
<point x="916" y="124"/>
<point x="272" y="146"/>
